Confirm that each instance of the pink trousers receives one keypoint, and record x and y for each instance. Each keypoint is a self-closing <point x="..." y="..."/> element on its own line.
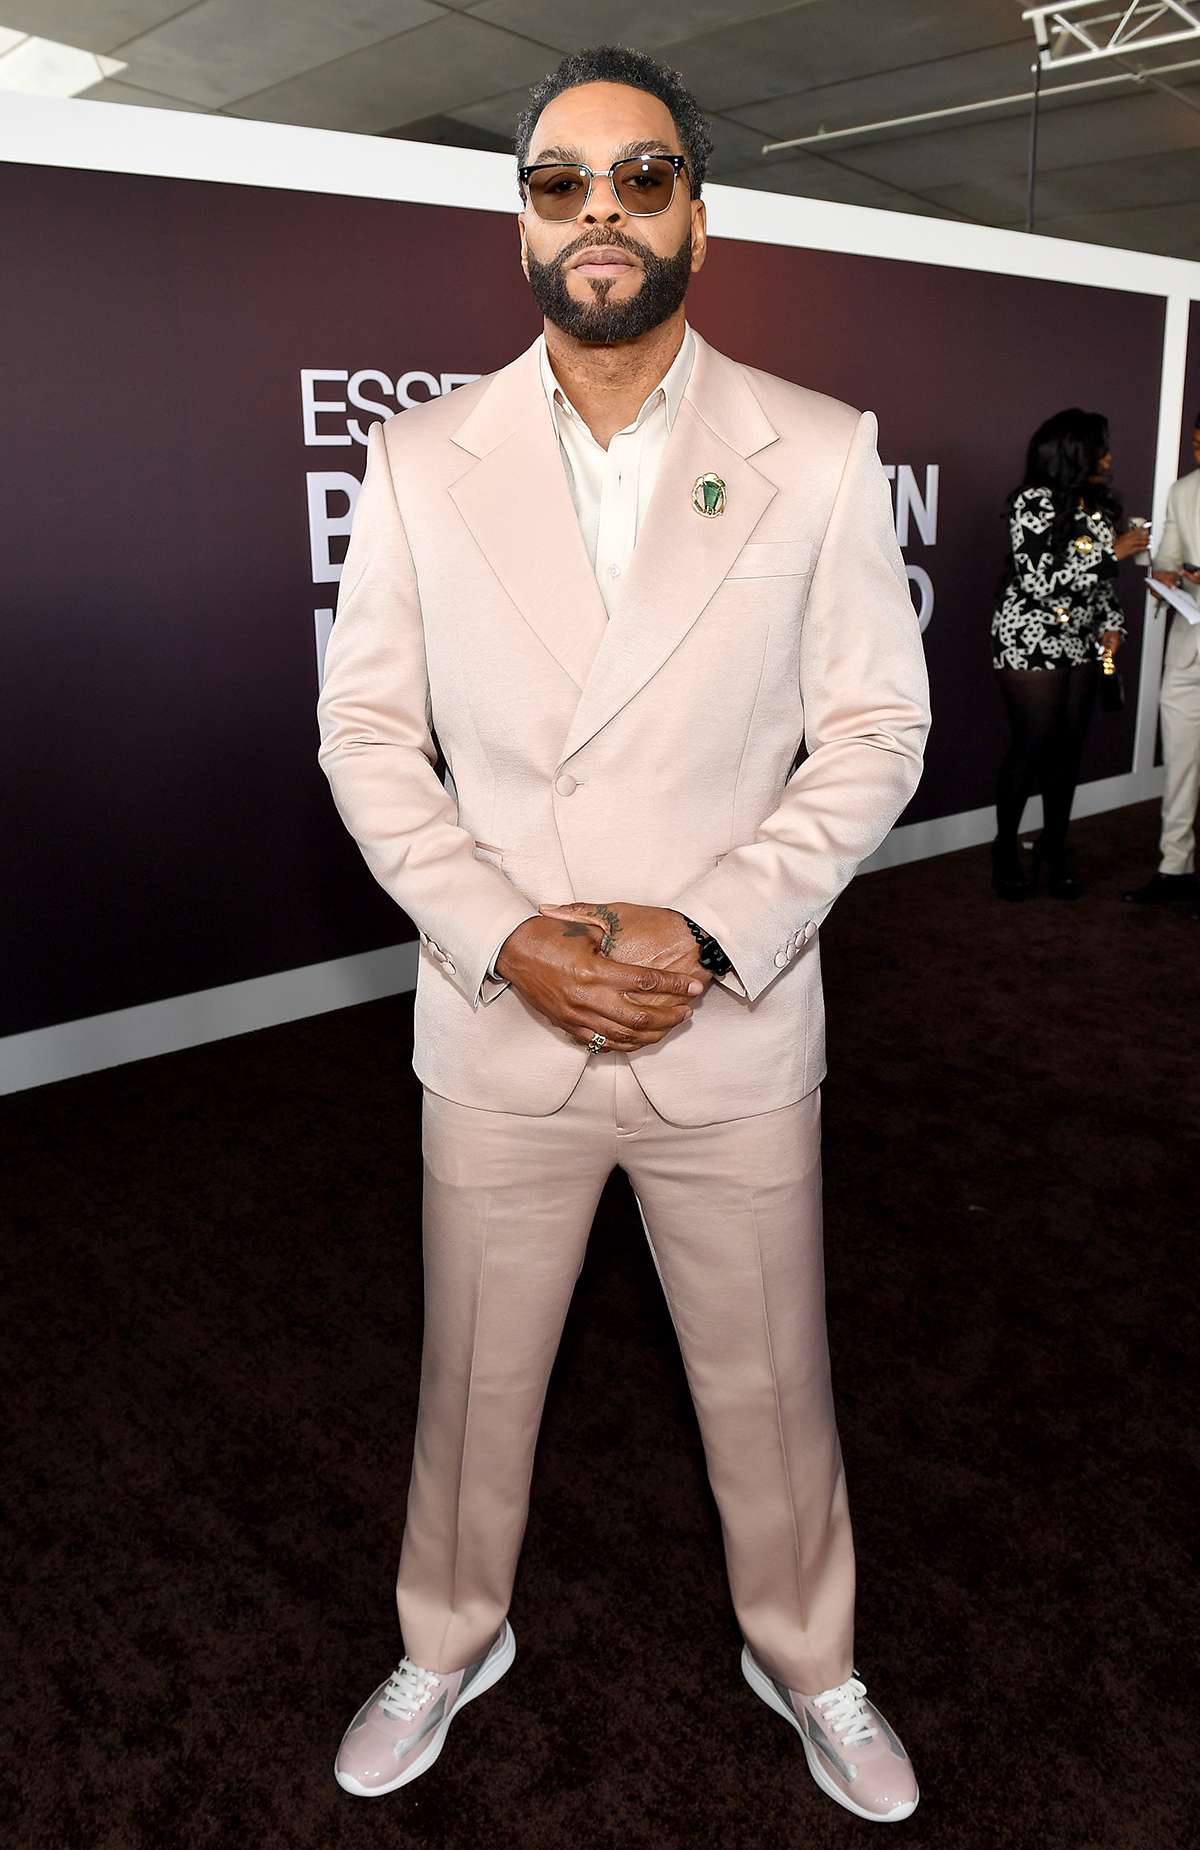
<point x="732" y="1211"/>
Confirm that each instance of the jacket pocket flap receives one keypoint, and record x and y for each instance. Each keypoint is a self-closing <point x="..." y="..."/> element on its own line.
<point x="772" y="558"/>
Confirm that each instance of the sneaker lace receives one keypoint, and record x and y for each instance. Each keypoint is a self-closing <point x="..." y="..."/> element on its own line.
<point x="408" y="1690"/>
<point x="843" y="1708"/>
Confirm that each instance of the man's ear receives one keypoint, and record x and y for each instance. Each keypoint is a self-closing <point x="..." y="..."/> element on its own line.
<point x="699" y="233"/>
<point x="524" y="245"/>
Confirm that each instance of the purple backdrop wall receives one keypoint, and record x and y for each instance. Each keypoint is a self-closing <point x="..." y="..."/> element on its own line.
<point x="173" y="829"/>
<point x="1191" y="391"/>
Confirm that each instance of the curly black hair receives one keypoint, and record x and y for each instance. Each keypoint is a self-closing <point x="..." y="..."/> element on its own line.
<point x="1063" y="454"/>
<point x="620" y="64"/>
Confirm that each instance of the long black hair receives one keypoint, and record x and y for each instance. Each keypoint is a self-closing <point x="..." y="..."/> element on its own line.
<point x="1063" y="454"/>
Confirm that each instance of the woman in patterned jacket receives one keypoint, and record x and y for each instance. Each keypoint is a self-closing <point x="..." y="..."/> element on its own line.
<point x="1058" y="612"/>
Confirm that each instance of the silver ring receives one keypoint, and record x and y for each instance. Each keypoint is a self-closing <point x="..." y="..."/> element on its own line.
<point x="597" y="1041"/>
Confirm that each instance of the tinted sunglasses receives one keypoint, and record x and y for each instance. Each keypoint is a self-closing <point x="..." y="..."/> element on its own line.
<point x="643" y="184"/>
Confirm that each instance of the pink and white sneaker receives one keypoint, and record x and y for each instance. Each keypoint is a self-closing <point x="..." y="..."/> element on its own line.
<point x="852" y="1753"/>
<point x="398" y="1732"/>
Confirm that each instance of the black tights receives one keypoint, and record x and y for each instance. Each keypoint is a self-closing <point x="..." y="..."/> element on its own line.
<point x="1048" y="710"/>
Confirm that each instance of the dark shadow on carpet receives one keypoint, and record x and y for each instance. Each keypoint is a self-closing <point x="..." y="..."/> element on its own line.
<point x="214" y="1261"/>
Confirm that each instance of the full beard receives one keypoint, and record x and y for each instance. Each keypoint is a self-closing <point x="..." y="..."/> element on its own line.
<point x="600" y="320"/>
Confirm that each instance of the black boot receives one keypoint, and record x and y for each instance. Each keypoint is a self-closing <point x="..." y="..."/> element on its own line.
<point x="1164" y="889"/>
<point x="1008" y="876"/>
<point x="1062" y="879"/>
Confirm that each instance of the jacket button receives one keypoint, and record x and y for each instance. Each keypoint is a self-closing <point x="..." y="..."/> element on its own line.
<point x="564" y="784"/>
<point x="781" y="958"/>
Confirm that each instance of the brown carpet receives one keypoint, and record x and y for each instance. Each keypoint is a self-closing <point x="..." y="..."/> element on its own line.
<point x="215" y="1267"/>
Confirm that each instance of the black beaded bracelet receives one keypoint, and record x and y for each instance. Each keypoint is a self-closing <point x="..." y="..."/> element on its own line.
<point x="712" y="957"/>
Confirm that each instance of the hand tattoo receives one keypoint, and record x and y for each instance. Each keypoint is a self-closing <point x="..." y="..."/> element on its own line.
<point x="611" y="920"/>
<point x="609" y="917"/>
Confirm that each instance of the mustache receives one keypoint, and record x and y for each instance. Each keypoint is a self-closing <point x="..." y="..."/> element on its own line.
<point x="615" y="239"/>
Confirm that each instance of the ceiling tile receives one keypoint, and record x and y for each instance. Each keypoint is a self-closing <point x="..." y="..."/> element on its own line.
<point x="223" y="50"/>
<point x="498" y="113"/>
<point x="826" y="44"/>
<point x="1171" y="231"/>
<point x="1068" y="136"/>
<point x="734" y="145"/>
<point x="96" y="25"/>
<point x="570" y="27"/>
<point x="1117" y="185"/>
<point x="1108" y="187"/>
<point x="1000" y="200"/>
<point x="1000" y="70"/>
<point x="810" y="178"/>
<point x="1118" y="126"/>
<point x="434" y="69"/>
<point x="113" y="90"/>
<point x="452" y="132"/>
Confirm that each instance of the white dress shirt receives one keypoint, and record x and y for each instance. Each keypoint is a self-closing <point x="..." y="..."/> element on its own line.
<point x="611" y="488"/>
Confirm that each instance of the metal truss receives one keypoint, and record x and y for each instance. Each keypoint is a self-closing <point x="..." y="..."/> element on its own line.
<point x="1084" y="31"/>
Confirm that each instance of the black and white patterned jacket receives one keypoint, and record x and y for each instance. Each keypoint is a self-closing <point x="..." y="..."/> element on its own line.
<point x="1056" y="605"/>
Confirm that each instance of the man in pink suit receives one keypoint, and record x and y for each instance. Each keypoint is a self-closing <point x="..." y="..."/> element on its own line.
<point x="625" y="578"/>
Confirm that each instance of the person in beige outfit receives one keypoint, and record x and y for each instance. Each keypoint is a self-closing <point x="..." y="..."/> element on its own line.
<point x="1177" y="563"/>
<point x="625" y="579"/>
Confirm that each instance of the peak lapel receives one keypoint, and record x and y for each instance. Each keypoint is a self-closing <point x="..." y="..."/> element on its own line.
<point x="516" y="503"/>
<point x="681" y="557"/>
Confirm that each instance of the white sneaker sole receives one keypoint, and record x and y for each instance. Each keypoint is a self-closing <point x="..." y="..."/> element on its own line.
<point x="763" y="1686"/>
<point x="501" y="1662"/>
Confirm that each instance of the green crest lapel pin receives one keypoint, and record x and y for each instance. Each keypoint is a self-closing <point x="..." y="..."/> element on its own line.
<point x="708" y="495"/>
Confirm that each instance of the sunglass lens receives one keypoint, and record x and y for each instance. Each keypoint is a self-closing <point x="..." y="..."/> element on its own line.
<point x="644" y="184"/>
<point x="557" y="192"/>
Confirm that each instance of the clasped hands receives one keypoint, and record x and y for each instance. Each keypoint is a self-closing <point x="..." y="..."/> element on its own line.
<point x="623" y="969"/>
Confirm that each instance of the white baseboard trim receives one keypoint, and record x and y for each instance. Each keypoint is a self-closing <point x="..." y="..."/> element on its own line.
<point x="946" y="833"/>
<point x="71" y="1048"/>
<point x="46" y="1055"/>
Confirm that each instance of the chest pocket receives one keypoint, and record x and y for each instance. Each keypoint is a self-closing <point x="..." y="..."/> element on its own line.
<point x="772" y="559"/>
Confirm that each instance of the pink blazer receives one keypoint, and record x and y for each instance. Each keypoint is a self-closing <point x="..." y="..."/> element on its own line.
<point x="646" y="758"/>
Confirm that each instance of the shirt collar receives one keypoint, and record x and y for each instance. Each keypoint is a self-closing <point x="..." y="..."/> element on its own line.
<point x="670" y="386"/>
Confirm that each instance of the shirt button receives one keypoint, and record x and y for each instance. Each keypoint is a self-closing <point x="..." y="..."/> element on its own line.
<point x="614" y="571"/>
<point x="564" y="784"/>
